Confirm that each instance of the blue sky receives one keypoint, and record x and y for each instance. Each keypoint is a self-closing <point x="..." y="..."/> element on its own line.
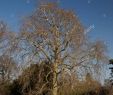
<point x="97" y="13"/>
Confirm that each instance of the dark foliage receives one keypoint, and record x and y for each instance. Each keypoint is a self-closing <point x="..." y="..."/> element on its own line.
<point x="32" y="79"/>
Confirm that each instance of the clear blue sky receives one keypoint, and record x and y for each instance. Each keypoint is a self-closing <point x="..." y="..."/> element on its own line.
<point x="98" y="13"/>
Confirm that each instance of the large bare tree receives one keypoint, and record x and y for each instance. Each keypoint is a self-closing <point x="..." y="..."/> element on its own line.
<point x="57" y="36"/>
<point x="54" y="35"/>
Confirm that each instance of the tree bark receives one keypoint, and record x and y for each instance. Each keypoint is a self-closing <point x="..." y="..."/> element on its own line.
<point x="55" y="84"/>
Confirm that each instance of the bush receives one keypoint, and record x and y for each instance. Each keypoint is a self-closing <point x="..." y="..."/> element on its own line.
<point x="32" y="80"/>
<point x="5" y="88"/>
<point x="37" y="80"/>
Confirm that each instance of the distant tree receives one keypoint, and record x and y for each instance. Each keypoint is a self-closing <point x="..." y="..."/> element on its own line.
<point x="7" y="45"/>
<point x="7" y="68"/>
<point x="111" y="61"/>
<point x="111" y="68"/>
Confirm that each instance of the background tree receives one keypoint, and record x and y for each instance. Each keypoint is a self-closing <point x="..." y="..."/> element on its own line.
<point x="111" y="68"/>
<point x="7" y="68"/>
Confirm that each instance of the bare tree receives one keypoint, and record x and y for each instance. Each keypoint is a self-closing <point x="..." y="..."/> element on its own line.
<point x="7" y="45"/>
<point x="56" y="35"/>
<point x="7" y="68"/>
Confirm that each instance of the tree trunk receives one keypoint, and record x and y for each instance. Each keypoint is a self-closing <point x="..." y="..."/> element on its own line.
<point x="55" y="85"/>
